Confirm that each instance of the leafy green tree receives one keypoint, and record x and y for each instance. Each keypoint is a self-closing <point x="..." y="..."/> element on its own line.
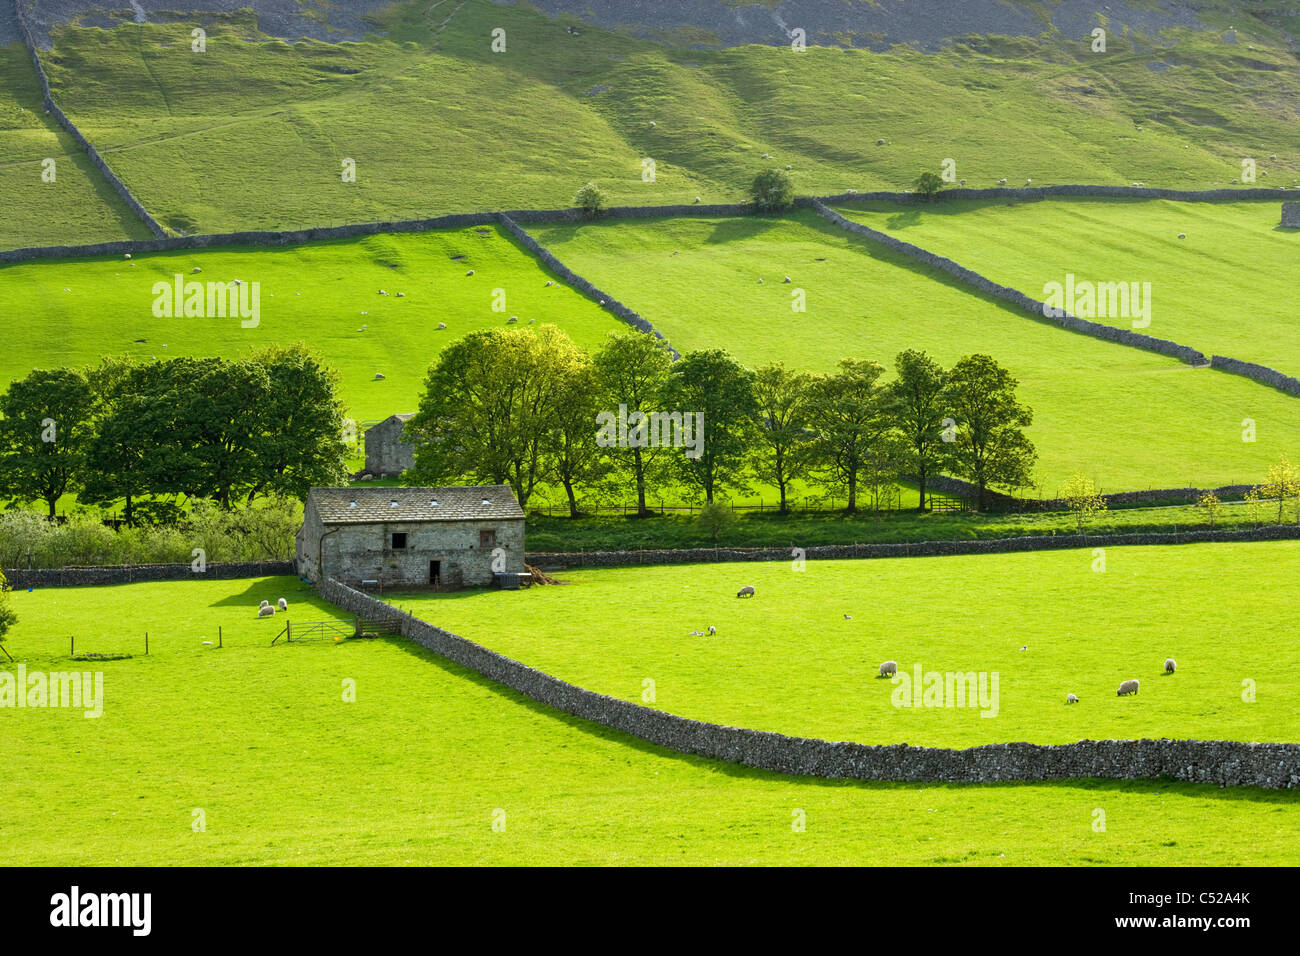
<point x="1281" y="484"/>
<point x="632" y="369"/>
<point x="577" y="461"/>
<point x="714" y="518"/>
<point x="928" y="184"/>
<point x="489" y="408"/>
<point x="783" y="441"/>
<point x="772" y="190"/>
<point x="302" y="424"/>
<point x="713" y="384"/>
<point x="917" y="406"/>
<point x="849" y="415"/>
<point x="1084" y="499"/>
<point x="990" y="446"/>
<point x="1210" y="504"/>
<point x="45" y="427"/>
<point x="591" y="200"/>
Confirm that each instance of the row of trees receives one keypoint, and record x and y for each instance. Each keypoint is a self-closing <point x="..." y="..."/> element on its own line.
<point x="210" y="428"/>
<point x="521" y="407"/>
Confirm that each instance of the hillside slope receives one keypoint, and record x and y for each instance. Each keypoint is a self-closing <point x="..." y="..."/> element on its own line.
<point x="253" y="132"/>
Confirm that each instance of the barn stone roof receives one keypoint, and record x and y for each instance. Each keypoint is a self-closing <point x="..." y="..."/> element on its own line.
<point x="399" y="417"/>
<point x="451" y="503"/>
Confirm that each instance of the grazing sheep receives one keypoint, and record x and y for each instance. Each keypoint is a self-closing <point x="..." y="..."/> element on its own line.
<point x="786" y="279"/>
<point x="1182" y="235"/>
<point x="1002" y="182"/>
<point x="697" y="199"/>
<point x="266" y="611"/>
<point x="1171" y="665"/>
<point x="1126" y="688"/>
<point x="1071" y="699"/>
<point x="126" y="255"/>
<point x="196" y="270"/>
<point x="470" y="273"/>
<point x="379" y="376"/>
<point x="512" y="320"/>
<point x="889" y="668"/>
<point x="788" y="166"/>
<point x="712" y="630"/>
<point x="282" y="604"/>
<point x="746" y="591"/>
<point x="442" y="325"/>
<point x="880" y="142"/>
<point x="848" y="617"/>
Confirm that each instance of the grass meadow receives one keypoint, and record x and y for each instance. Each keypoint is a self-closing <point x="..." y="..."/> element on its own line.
<point x="74" y="311"/>
<point x="1127" y="418"/>
<point x="788" y="660"/>
<point x="252" y="132"/>
<point x="1227" y="289"/>
<point x="260" y="740"/>
<point x="79" y="205"/>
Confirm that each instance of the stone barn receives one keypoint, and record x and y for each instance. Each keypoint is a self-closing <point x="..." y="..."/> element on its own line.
<point x="379" y="538"/>
<point x="1291" y="214"/>
<point x="387" y="455"/>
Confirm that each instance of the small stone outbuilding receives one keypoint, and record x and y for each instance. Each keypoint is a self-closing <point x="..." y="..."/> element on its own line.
<point x="387" y="453"/>
<point x="1291" y="214"/>
<point x="379" y="538"/>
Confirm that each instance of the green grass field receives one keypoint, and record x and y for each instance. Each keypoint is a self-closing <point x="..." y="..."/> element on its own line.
<point x="79" y="205"/>
<point x="1227" y="289"/>
<point x="322" y="293"/>
<point x="259" y="739"/>
<point x="252" y="132"/>
<point x="787" y="659"/>
<point x="1128" y="418"/>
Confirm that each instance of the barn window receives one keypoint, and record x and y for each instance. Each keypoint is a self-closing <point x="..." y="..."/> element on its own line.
<point x="399" y="540"/>
<point x="487" y="539"/>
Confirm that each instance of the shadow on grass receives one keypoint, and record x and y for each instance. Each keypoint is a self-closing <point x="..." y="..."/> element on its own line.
<point x="601" y="732"/>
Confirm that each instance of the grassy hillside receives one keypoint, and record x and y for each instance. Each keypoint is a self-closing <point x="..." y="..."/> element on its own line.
<point x="259" y="739"/>
<point x="252" y="132"/>
<point x="1131" y="419"/>
<point x="323" y="293"/>
<point x="1227" y="289"/>
<point x="787" y="660"/>
<point x="79" y="206"/>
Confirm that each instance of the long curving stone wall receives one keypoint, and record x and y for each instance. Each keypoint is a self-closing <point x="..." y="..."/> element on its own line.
<point x="960" y="488"/>
<point x="1222" y="762"/>
<point x="608" y="302"/>
<point x="916" y="549"/>
<point x="126" y="574"/>
<point x="1014" y="296"/>
<point x="52" y="108"/>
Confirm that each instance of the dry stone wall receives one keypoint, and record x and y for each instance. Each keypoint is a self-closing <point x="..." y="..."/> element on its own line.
<point x="553" y="560"/>
<point x="19" y="578"/>
<point x="1226" y="763"/>
<point x="52" y="108"/>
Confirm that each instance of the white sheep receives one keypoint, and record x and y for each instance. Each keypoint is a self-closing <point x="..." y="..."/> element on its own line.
<point x="1171" y="665"/>
<point x="442" y="325"/>
<point x="889" y="668"/>
<point x="1128" y="687"/>
<point x="1182" y="235"/>
<point x="1002" y="182"/>
<point x="746" y="591"/>
<point x="1071" y="699"/>
<point x="264" y="604"/>
<point x="266" y="611"/>
<point x="282" y="604"/>
<point x="712" y="630"/>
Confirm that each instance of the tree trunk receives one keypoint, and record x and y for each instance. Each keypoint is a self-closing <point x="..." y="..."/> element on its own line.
<point x="639" y="466"/>
<point x="853" y="495"/>
<point x="573" y="503"/>
<point x="128" y="512"/>
<point x="781" y="486"/>
<point x="51" y="502"/>
<point x="921" y="481"/>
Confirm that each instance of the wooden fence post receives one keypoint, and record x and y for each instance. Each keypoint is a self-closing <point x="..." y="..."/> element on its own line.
<point x="146" y="643"/>
<point x="72" y="646"/>
<point x="219" y="638"/>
